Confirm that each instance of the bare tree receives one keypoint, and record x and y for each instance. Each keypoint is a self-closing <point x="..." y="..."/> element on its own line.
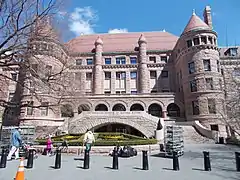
<point x="26" y="40"/>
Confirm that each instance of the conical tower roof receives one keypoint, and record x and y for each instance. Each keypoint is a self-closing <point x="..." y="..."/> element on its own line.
<point x="195" y="23"/>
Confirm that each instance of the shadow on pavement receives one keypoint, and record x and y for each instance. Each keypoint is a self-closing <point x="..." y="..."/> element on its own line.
<point x="138" y="168"/>
<point x="161" y="155"/>
<point x="197" y="169"/>
<point x="78" y="159"/>
<point x="169" y="169"/>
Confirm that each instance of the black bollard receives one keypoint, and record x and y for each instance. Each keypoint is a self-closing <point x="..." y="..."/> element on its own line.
<point x="58" y="159"/>
<point x="86" y="160"/>
<point x="175" y="161"/>
<point x="115" y="159"/>
<point x="237" y="157"/>
<point x="207" y="163"/>
<point x="144" y="160"/>
<point x="30" y="159"/>
<point x="3" y="162"/>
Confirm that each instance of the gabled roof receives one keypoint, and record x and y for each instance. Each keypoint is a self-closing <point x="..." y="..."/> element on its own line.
<point x="194" y="23"/>
<point x="123" y="42"/>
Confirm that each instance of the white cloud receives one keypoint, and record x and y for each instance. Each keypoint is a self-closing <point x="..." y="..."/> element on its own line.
<point x="115" y="31"/>
<point x="82" y="20"/>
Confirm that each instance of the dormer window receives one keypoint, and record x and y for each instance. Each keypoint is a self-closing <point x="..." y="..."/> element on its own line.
<point x="231" y="52"/>
<point x="204" y="40"/>
<point x="196" y="41"/>
<point x="189" y="43"/>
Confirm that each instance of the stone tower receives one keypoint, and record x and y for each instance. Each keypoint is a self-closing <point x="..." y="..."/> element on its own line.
<point x="143" y="72"/>
<point x="97" y="70"/>
<point x="197" y="63"/>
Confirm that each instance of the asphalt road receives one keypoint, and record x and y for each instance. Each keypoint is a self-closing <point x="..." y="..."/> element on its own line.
<point x="191" y="167"/>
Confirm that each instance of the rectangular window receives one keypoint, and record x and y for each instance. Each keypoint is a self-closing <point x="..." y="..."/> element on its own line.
<point x="218" y="66"/>
<point x="120" y="75"/>
<point x="164" y="74"/>
<point x="220" y="84"/>
<point x="14" y="76"/>
<point x="133" y="75"/>
<point x="120" y="60"/>
<point x="164" y="58"/>
<point x="78" y="62"/>
<point x="152" y="59"/>
<point x="44" y="109"/>
<point x="10" y="96"/>
<point x="133" y="92"/>
<point x="191" y="67"/>
<point x="153" y="74"/>
<point x="233" y="51"/>
<point x="107" y="92"/>
<point x="210" y="40"/>
<point x="30" y="108"/>
<point x="196" y="41"/>
<point x="88" y="76"/>
<point x="189" y="43"/>
<point x="133" y="60"/>
<point x="195" y="108"/>
<point x="204" y="40"/>
<point x="193" y="85"/>
<point x="89" y="61"/>
<point x="107" y="75"/>
<point x="153" y="91"/>
<point x="207" y="65"/>
<point x="209" y="83"/>
<point x="212" y="106"/>
<point x="108" y="60"/>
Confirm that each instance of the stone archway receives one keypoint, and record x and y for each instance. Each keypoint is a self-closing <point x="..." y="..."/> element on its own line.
<point x="173" y="110"/>
<point x="145" y="126"/>
<point x="119" y="107"/>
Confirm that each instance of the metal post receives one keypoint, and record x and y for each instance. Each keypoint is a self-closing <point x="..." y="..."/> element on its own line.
<point x="3" y="162"/>
<point x="30" y="159"/>
<point x="144" y="160"/>
<point x="175" y="161"/>
<point x="237" y="157"/>
<point x="58" y="159"/>
<point x="86" y="160"/>
<point x="115" y="159"/>
<point x="207" y="163"/>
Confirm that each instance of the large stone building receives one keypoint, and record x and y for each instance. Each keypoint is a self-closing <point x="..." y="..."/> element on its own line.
<point x="126" y="82"/>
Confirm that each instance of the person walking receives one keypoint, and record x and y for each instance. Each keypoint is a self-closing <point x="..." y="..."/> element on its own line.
<point x="16" y="142"/>
<point x="88" y="140"/>
<point x="49" y="145"/>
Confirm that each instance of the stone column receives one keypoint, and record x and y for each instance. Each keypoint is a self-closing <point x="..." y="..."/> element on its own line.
<point x="128" y="82"/>
<point x="164" y="114"/>
<point x="97" y="70"/>
<point x="143" y="72"/>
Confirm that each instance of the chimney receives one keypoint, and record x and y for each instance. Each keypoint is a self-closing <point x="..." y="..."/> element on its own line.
<point x="207" y="16"/>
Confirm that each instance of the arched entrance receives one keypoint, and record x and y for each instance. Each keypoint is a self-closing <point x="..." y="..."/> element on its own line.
<point x="101" y="107"/>
<point x="117" y="127"/>
<point x="83" y="107"/>
<point x="137" y="107"/>
<point x="67" y="110"/>
<point x="155" y="110"/>
<point x="173" y="110"/>
<point x="119" y="107"/>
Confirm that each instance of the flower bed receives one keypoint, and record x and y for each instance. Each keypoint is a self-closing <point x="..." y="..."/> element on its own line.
<point x="102" y="139"/>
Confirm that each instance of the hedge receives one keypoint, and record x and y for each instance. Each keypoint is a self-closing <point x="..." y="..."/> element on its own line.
<point x="105" y="142"/>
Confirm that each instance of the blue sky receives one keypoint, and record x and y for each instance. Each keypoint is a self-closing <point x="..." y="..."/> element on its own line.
<point x="112" y="16"/>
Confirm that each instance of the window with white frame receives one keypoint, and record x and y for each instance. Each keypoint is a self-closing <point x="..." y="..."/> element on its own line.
<point x="207" y="65"/>
<point x="209" y="83"/>
<point x="133" y="60"/>
<point x="120" y="60"/>
<point x="191" y="67"/>
<point x="44" y="108"/>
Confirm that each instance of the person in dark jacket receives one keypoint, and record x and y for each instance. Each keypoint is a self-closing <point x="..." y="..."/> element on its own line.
<point x="16" y="142"/>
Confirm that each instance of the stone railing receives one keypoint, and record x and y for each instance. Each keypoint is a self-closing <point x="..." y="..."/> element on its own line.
<point x="204" y="131"/>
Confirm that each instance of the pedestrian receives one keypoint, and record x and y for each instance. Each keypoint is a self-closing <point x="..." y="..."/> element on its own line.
<point x="49" y="145"/>
<point x="16" y="142"/>
<point x="88" y="140"/>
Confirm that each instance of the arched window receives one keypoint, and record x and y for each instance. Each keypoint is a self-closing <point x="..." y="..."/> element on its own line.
<point x="101" y="107"/>
<point x="119" y="107"/>
<point x="136" y="107"/>
<point x="67" y="110"/>
<point x="173" y="110"/>
<point x="155" y="110"/>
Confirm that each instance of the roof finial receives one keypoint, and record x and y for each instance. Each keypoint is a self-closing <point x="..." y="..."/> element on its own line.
<point x="164" y="30"/>
<point x="193" y="12"/>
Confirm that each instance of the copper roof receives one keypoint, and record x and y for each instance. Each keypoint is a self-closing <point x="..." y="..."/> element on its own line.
<point x="123" y="42"/>
<point x="195" y="22"/>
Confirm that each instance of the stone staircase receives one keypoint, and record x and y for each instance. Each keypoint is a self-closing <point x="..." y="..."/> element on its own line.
<point x="191" y="136"/>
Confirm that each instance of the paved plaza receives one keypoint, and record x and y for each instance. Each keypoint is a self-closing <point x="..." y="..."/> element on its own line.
<point x="191" y="165"/>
